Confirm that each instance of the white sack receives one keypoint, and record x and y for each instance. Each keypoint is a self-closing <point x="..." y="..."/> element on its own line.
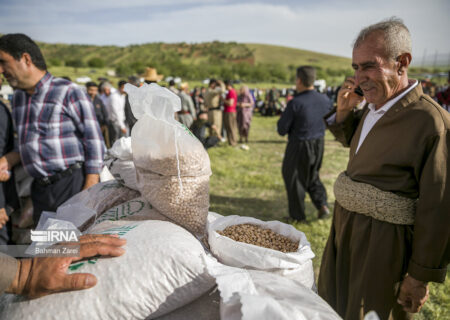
<point x="259" y="295"/>
<point x="162" y="269"/>
<point x="207" y="307"/>
<point x="294" y="265"/>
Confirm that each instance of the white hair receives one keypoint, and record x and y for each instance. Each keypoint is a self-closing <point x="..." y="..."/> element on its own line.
<point x="106" y="84"/>
<point x="396" y="36"/>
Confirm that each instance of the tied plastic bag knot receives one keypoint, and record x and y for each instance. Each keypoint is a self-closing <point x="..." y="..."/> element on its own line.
<point x="153" y="100"/>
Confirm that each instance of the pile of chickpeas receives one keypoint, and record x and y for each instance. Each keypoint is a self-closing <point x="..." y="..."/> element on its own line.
<point x="253" y="234"/>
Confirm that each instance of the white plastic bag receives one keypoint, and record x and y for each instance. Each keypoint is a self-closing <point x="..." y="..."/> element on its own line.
<point x="294" y="265"/>
<point x="259" y="295"/>
<point x="121" y="149"/>
<point x="162" y="269"/>
<point x="119" y="163"/>
<point x="172" y="166"/>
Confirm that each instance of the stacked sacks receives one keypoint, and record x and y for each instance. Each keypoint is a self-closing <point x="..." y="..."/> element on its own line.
<point x="172" y="167"/>
<point x="162" y="269"/>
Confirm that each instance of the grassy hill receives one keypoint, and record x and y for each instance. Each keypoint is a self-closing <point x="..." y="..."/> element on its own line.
<point x="265" y="53"/>
<point x="247" y="62"/>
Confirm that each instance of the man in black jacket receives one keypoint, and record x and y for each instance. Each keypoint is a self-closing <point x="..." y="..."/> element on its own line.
<point x="303" y="122"/>
<point x="8" y="195"/>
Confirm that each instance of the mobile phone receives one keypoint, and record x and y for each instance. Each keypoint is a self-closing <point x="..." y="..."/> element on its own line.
<point x="359" y="92"/>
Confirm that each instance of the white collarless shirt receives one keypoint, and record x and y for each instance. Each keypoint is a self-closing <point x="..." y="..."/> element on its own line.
<point x="374" y="115"/>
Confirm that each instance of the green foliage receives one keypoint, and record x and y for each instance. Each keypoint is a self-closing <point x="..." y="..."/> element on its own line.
<point x="124" y="70"/>
<point x="96" y="63"/>
<point x="54" y="62"/>
<point x="76" y="63"/>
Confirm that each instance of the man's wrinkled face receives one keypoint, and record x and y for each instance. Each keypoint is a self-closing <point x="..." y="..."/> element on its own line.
<point x="375" y="73"/>
<point x="14" y="71"/>
<point x="92" y="91"/>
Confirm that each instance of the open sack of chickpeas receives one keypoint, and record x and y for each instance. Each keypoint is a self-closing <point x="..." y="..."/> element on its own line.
<point x="272" y="246"/>
<point x="172" y="167"/>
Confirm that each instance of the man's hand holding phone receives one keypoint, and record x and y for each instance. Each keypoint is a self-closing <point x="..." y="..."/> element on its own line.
<point x="347" y="99"/>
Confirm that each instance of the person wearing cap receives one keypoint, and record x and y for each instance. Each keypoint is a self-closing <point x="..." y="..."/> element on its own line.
<point x="187" y="114"/>
<point x="59" y="138"/>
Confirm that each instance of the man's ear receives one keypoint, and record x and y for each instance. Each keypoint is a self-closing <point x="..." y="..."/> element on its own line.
<point x="404" y="61"/>
<point x="27" y="58"/>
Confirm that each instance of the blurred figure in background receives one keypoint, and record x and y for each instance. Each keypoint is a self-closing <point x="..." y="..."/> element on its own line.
<point x="245" y="106"/>
<point x="8" y="196"/>
<point x="187" y="114"/>
<point x="229" y="114"/>
<point x="303" y="122"/>
<point x="198" y="100"/>
<point x="443" y="97"/>
<point x="100" y="110"/>
<point x="116" y="111"/>
<point x="198" y="128"/>
<point x="212" y="104"/>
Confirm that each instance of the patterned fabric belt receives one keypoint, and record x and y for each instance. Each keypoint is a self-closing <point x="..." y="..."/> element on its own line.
<point x="368" y="200"/>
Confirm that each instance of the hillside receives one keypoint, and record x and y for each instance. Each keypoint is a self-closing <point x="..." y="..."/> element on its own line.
<point x="247" y="62"/>
<point x="264" y="53"/>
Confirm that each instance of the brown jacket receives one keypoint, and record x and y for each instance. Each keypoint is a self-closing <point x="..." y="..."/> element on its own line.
<point x="407" y="153"/>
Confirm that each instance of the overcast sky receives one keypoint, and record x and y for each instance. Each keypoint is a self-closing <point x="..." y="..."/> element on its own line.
<point x="318" y="25"/>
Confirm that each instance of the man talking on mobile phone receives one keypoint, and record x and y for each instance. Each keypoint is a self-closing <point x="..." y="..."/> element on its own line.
<point x="390" y="231"/>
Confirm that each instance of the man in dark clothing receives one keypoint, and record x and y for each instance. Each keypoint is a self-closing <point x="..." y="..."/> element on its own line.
<point x="99" y="107"/>
<point x="8" y="195"/>
<point x="303" y="122"/>
<point x="199" y="130"/>
<point x="100" y="110"/>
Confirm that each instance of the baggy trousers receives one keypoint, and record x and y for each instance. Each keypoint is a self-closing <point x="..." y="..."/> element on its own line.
<point x="301" y="165"/>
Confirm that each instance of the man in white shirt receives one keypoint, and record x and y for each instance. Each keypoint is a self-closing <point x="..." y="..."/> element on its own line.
<point x="115" y="104"/>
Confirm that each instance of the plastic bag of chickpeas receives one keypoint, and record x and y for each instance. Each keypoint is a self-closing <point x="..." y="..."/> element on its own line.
<point x="273" y="246"/>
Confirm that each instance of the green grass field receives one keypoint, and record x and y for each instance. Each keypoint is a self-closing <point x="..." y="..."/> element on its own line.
<point x="249" y="183"/>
